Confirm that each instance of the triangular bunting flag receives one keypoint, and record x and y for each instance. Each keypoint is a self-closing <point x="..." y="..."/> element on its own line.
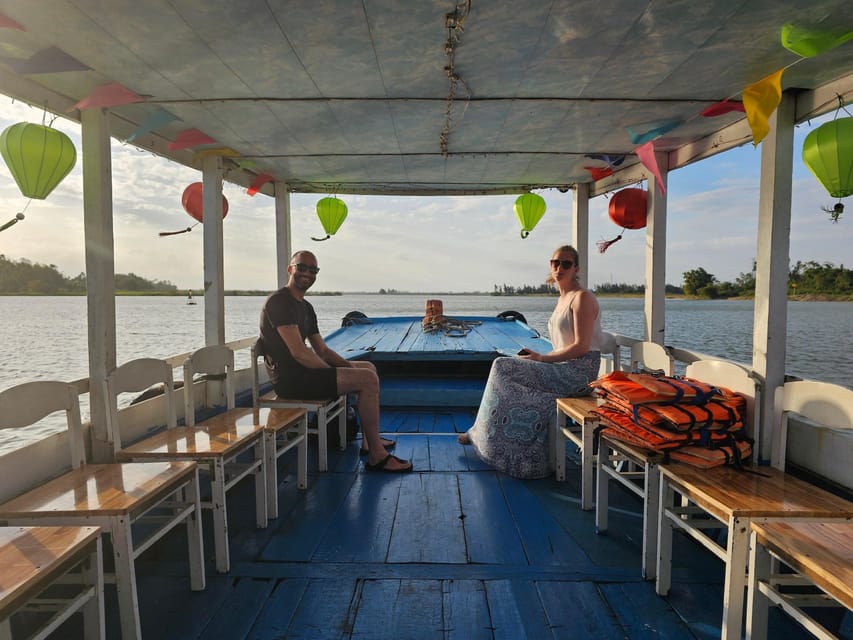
<point x="810" y="42"/>
<point x="8" y="23"/>
<point x="108" y="95"/>
<point x="723" y="107"/>
<point x="259" y="182"/>
<point x="760" y="100"/>
<point x="156" y="119"/>
<point x="221" y="152"/>
<point x="599" y="172"/>
<point x="646" y="154"/>
<point x="190" y="138"/>
<point x="613" y="161"/>
<point x="642" y="133"/>
<point x="50" y="60"/>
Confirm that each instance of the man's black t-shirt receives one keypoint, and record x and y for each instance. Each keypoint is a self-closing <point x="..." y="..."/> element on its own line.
<point x="281" y="309"/>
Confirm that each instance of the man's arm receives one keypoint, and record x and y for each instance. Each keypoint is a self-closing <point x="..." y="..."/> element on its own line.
<point x="327" y="355"/>
<point x="296" y="345"/>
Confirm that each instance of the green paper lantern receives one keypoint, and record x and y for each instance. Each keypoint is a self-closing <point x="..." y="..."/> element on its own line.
<point x="332" y="213"/>
<point x="529" y="208"/>
<point x="38" y="157"/>
<point x="828" y="153"/>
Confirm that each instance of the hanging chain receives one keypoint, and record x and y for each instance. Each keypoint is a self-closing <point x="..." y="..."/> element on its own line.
<point x="453" y="21"/>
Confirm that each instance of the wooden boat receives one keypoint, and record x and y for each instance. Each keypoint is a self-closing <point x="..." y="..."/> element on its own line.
<point x="413" y="98"/>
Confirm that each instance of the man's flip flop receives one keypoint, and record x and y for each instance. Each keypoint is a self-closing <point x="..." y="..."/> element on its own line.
<point x="391" y="444"/>
<point x="382" y="465"/>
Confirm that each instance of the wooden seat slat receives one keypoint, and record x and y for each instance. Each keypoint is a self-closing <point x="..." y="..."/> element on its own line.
<point x="271" y="396"/>
<point x="283" y="418"/>
<point x="578" y="409"/>
<point x="33" y="557"/>
<point x="101" y="489"/>
<point x="821" y="551"/>
<point x="727" y="492"/>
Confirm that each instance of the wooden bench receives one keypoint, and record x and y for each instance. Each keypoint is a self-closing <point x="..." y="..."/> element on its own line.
<point x="34" y="559"/>
<point x="326" y="410"/>
<point x="734" y="499"/>
<point x="216" y="444"/>
<point x="635" y="469"/>
<point x="576" y="422"/>
<point x="821" y="555"/>
<point x="157" y="496"/>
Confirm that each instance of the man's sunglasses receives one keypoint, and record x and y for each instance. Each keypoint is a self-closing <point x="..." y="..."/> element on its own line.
<point x="566" y="264"/>
<point x="307" y="268"/>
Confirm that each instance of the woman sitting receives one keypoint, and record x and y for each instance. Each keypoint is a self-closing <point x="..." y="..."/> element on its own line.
<point x="519" y="402"/>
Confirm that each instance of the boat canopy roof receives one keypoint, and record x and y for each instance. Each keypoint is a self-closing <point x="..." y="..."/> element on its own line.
<point x="421" y="97"/>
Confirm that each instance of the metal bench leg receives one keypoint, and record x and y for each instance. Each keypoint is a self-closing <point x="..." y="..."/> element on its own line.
<point x="220" y="516"/>
<point x="342" y="426"/>
<point x="261" y="484"/>
<point x="302" y="454"/>
<point x="271" y="450"/>
<point x="602" y="497"/>
<point x="195" y="540"/>
<point x="587" y="461"/>
<point x="560" y="447"/>
<point x="128" y="602"/>
<point x="651" y="499"/>
<point x="736" y="550"/>
<point x="757" y="603"/>
<point x="93" y="611"/>
<point x="664" y="561"/>
<point x="322" y="440"/>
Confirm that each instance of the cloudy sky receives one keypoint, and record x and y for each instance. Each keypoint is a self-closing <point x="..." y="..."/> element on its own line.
<point x="409" y="243"/>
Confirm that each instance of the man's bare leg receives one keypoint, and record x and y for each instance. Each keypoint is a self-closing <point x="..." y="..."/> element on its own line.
<point x="365" y="382"/>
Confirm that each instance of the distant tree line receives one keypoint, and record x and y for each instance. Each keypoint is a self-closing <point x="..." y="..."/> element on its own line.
<point x="524" y="290"/>
<point x="23" y="276"/>
<point x="804" y="278"/>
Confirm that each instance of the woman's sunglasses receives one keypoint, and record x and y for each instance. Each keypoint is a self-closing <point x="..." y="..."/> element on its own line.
<point x="566" y="264"/>
<point x="306" y="268"/>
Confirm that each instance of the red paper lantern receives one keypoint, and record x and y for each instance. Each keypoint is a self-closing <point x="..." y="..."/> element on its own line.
<point x="628" y="208"/>
<point x="192" y="201"/>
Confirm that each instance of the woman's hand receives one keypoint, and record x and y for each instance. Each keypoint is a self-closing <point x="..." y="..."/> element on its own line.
<point x="527" y="354"/>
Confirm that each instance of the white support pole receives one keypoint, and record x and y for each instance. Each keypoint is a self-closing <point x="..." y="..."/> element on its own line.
<point x="655" y="298"/>
<point x="214" y="271"/>
<point x="283" y="233"/>
<point x="580" y="231"/>
<point x="769" y="334"/>
<point x="100" y="269"/>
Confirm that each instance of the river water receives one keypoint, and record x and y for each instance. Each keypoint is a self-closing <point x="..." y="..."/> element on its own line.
<point x="45" y="338"/>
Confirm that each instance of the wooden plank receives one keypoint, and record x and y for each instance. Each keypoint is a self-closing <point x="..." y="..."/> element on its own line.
<point x="395" y="609"/>
<point x="299" y="534"/>
<point x="166" y="609"/>
<point x="577" y="610"/>
<point x="446" y="454"/>
<point x="429" y="503"/>
<point x="389" y="420"/>
<point x="278" y="610"/>
<point x="326" y="610"/>
<point x="416" y="449"/>
<point x="410" y="422"/>
<point x="443" y="423"/>
<point x="516" y="610"/>
<point x="474" y="461"/>
<point x="490" y="533"/>
<point x="243" y="604"/>
<point x="466" y="610"/>
<point x="642" y="613"/>
<point x="545" y="541"/>
<point x="463" y="419"/>
<point x="361" y="529"/>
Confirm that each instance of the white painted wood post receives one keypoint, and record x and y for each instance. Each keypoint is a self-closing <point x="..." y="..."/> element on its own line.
<point x="283" y="232"/>
<point x="580" y="230"/>
<point x="770" y="333"/>
<point x="100" y="269"/>
<point x="214" y="271"/>
<point x="655" y="298"/>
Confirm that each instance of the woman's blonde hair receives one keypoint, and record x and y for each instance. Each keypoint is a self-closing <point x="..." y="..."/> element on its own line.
<point x="566" y="248"/>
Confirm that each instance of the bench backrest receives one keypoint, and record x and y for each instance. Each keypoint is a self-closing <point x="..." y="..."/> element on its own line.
<point x="135" y="376"/>
<point x="649" y="356"/>
<point x="257" y="352"/>
<point x="828" y="405"/>
<point x="26" y="404"/>
<point x="213" y="359"/>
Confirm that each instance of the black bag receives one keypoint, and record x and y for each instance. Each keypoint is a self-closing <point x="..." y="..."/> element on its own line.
<point x="353" y="425"/>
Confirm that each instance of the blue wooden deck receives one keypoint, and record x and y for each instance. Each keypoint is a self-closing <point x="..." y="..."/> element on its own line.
<point x="453" y="551"/>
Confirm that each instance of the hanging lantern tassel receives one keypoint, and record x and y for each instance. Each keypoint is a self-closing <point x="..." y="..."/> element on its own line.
<point x="13" y="221"/>
<point x="175" y="233"/>
<point x="529" y="209"/>
<point x="603" y="245"/>
<point x="332" y="213"/>
<point x="628" y="209"/>
<point x="828" y="153"/>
